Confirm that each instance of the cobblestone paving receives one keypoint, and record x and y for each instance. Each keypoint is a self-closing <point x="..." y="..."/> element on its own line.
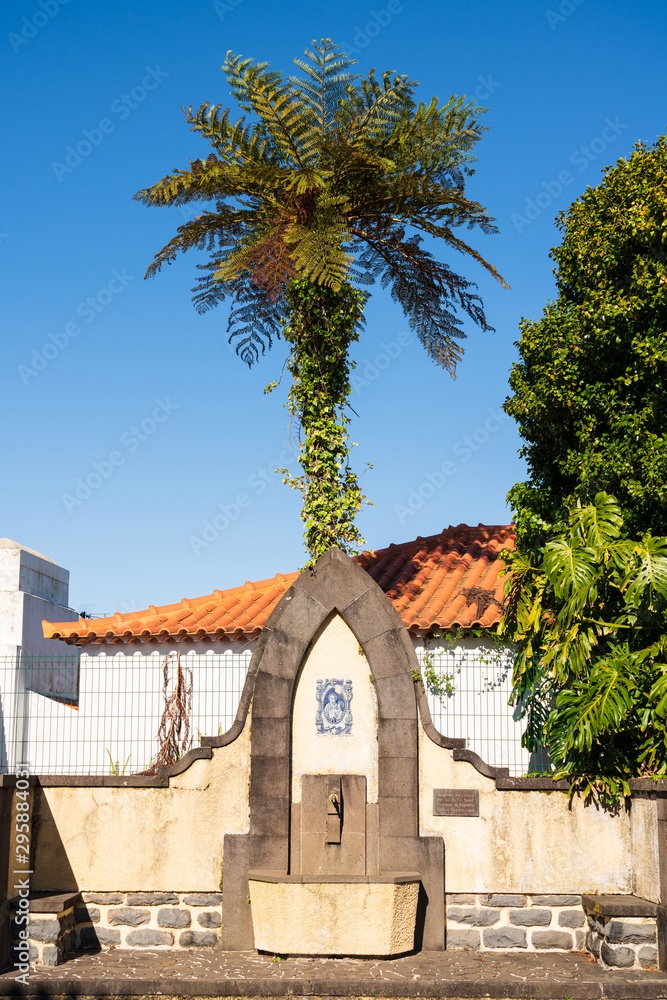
<point x="459" y="974"/>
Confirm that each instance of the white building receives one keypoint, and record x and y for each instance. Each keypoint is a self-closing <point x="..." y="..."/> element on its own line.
<point x="447" y="588"/>
<point x="32" y="589"/>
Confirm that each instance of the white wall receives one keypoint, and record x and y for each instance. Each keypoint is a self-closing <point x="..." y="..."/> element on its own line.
<point x="121" y="702"/>
<point x="32" y="588"/>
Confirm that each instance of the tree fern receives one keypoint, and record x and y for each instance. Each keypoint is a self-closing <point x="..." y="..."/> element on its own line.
<point x="325" y="135"/>
<point x="329" y="178"/>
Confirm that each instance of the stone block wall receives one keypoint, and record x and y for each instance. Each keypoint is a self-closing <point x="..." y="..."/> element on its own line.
<point x="51" y="937"/>
<point x="623" y="942"/>
<point x="622" y="931"/>
<point x="504" y="921"/>
<point x="149" y="919"/>
<point x="618" y="931"/>
<point x="63" y="923"/>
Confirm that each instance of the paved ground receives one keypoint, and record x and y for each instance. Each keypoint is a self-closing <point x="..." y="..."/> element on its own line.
<point x="459" y="974"/>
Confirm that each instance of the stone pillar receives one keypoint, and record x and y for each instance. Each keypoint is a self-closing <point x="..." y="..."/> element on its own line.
<point x="662" y="861"/>
<point x="5" y="837"/>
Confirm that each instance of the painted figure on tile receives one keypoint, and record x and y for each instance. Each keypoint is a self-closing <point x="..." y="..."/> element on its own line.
<point x="334" y="714"/>
<point x="332" y="711"/>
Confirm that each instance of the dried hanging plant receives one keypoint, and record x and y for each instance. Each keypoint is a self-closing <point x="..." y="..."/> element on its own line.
<point x="174" y="732"/>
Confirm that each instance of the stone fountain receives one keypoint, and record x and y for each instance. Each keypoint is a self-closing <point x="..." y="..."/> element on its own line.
<point x="333" y="863"/>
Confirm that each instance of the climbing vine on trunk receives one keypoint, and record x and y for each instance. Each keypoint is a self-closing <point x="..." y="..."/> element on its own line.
<point x="321" y="325"/>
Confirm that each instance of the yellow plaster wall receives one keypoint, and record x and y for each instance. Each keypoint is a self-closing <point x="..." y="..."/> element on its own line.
<point x="335" y="654"/>
<point x="144" y="839"/>
<point x="533" y="841"/>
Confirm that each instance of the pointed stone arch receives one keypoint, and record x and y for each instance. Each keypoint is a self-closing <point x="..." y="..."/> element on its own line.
<point x="334" y="585"/>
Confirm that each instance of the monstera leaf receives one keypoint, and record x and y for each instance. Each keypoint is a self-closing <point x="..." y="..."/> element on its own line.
<point x="570" y="567"/>
<point x="650" y="571"/>
<point x="594" y="610"/>
<point x="600" y="522"/>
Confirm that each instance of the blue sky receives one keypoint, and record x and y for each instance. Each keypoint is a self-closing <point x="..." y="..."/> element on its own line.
<point x="116" y="382"/>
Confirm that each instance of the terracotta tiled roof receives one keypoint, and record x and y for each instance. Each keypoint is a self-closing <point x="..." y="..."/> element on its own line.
<point x="443" y="581"/>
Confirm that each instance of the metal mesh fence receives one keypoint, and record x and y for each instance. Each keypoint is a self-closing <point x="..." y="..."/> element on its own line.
<point x="475" y="686"/>
<point x="102" y="714"/>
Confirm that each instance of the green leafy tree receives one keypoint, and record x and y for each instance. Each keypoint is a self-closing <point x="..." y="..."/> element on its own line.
<point x="590" y="399"/>
<point x="590" y="388"/>
<point x="589" y="621"/>
<point x="330" y="183"/>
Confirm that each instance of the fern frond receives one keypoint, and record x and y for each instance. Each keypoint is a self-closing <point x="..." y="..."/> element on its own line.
<point x="202" y="233"/>
<point x="319" y="179"/>
<point x="236" y="142"/>
<point x="274" y="100"/>
<point x="325" y="83"/>
<point x="318" y="254"/>
<point x="254" y="321"/>
<point x="426" y="290"/>
<point x="373" y="110"/>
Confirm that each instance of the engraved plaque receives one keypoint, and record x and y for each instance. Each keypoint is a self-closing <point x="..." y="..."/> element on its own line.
<point x="455" y="802"/>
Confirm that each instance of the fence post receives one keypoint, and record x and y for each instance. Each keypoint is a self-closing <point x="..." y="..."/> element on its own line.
<point x="15" y="722"/>
<point x="21" y="720"/>
<point x="661" y="805"/>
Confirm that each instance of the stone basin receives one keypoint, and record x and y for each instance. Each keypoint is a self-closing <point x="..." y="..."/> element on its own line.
<point x="315" y="915"/>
